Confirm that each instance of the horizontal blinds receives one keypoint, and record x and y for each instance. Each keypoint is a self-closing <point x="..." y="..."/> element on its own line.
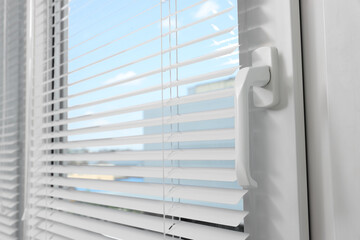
<point x="12" y="69"/>
<point x="133" y="121"/>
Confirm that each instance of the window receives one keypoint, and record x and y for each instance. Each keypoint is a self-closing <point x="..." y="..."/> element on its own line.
<point x="132" y="127"/>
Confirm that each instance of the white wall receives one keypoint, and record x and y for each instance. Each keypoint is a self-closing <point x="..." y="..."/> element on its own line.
<point x="331" y="55"/>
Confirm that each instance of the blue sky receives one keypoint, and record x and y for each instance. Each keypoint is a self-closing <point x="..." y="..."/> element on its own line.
<point x="111" y="23"/>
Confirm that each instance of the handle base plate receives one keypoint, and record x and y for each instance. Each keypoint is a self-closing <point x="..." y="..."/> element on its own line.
<point x="267" y="96"/>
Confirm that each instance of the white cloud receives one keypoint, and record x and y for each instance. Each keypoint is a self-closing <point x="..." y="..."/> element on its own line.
<point x="230" y="54"/>
<point x="232" y="61"/>
<point x="216" y="28"/>
<point x="89" y="112"/>
<point x="121" y="76"/>
<point x="99" y="122"/>
<point x="166" y="23"/>
<point x="229" y="45"/>
<point x="206" y="9"/>
<point x="216" y="43"/>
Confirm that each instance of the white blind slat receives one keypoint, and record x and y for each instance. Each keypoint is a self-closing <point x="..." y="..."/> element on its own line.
<point x="108" y="229"/>
<point x="6" y="237"/>
<point x="153" y="223"/>
<point x="7" y="230"/>
<point x="67" y="232"/>
<point x="9" y="195"/>
<point x="210" y="174"/>
<point x="209" y="135"/>
<point x="8" y="186"/>
<point x="174" y="155"/>
<point x="177" y="209"/>
<point x="8" y="221"/>
<point x="206" y="194"/>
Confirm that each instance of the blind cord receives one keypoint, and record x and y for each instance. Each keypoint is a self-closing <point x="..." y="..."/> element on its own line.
<point x="162" y="121"/>
<point x="171" y="107"/>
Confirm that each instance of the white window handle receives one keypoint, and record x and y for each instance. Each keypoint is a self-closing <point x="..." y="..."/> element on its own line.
<point x="262" y="79"/>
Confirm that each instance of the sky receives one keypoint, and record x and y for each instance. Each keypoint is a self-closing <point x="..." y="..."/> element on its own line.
<point x="129" y="30"/>
<point x="110" y="34"/>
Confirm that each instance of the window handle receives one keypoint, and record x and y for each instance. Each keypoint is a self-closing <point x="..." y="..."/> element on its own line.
<point x="258" y="86"/>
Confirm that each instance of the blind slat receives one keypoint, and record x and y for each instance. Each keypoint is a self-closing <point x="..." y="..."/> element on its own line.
<point x="153" y="223"/>
<point x="7" y="221"/>
<point x="177" y="209"/>
<point x="10" y="151"/>
<point x="9" y="186"/>
<point x="8" y="177"/>
<point x="206" y="194"/>
<point x="101" y="227"/>
<point x="205" y="135"/>
<point x="8" y="160"/>
<point x="68" y="232"/>
<point x="6" y="237"/>
<point x="4" y="168"/>
<point x="7" y="230"/>
<point x="8" y="204"/>
<point x="210" y="174"/>
<point x="171" y="155"/>
<point x="44" y="234"/>
<point x="9" y="195"/>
